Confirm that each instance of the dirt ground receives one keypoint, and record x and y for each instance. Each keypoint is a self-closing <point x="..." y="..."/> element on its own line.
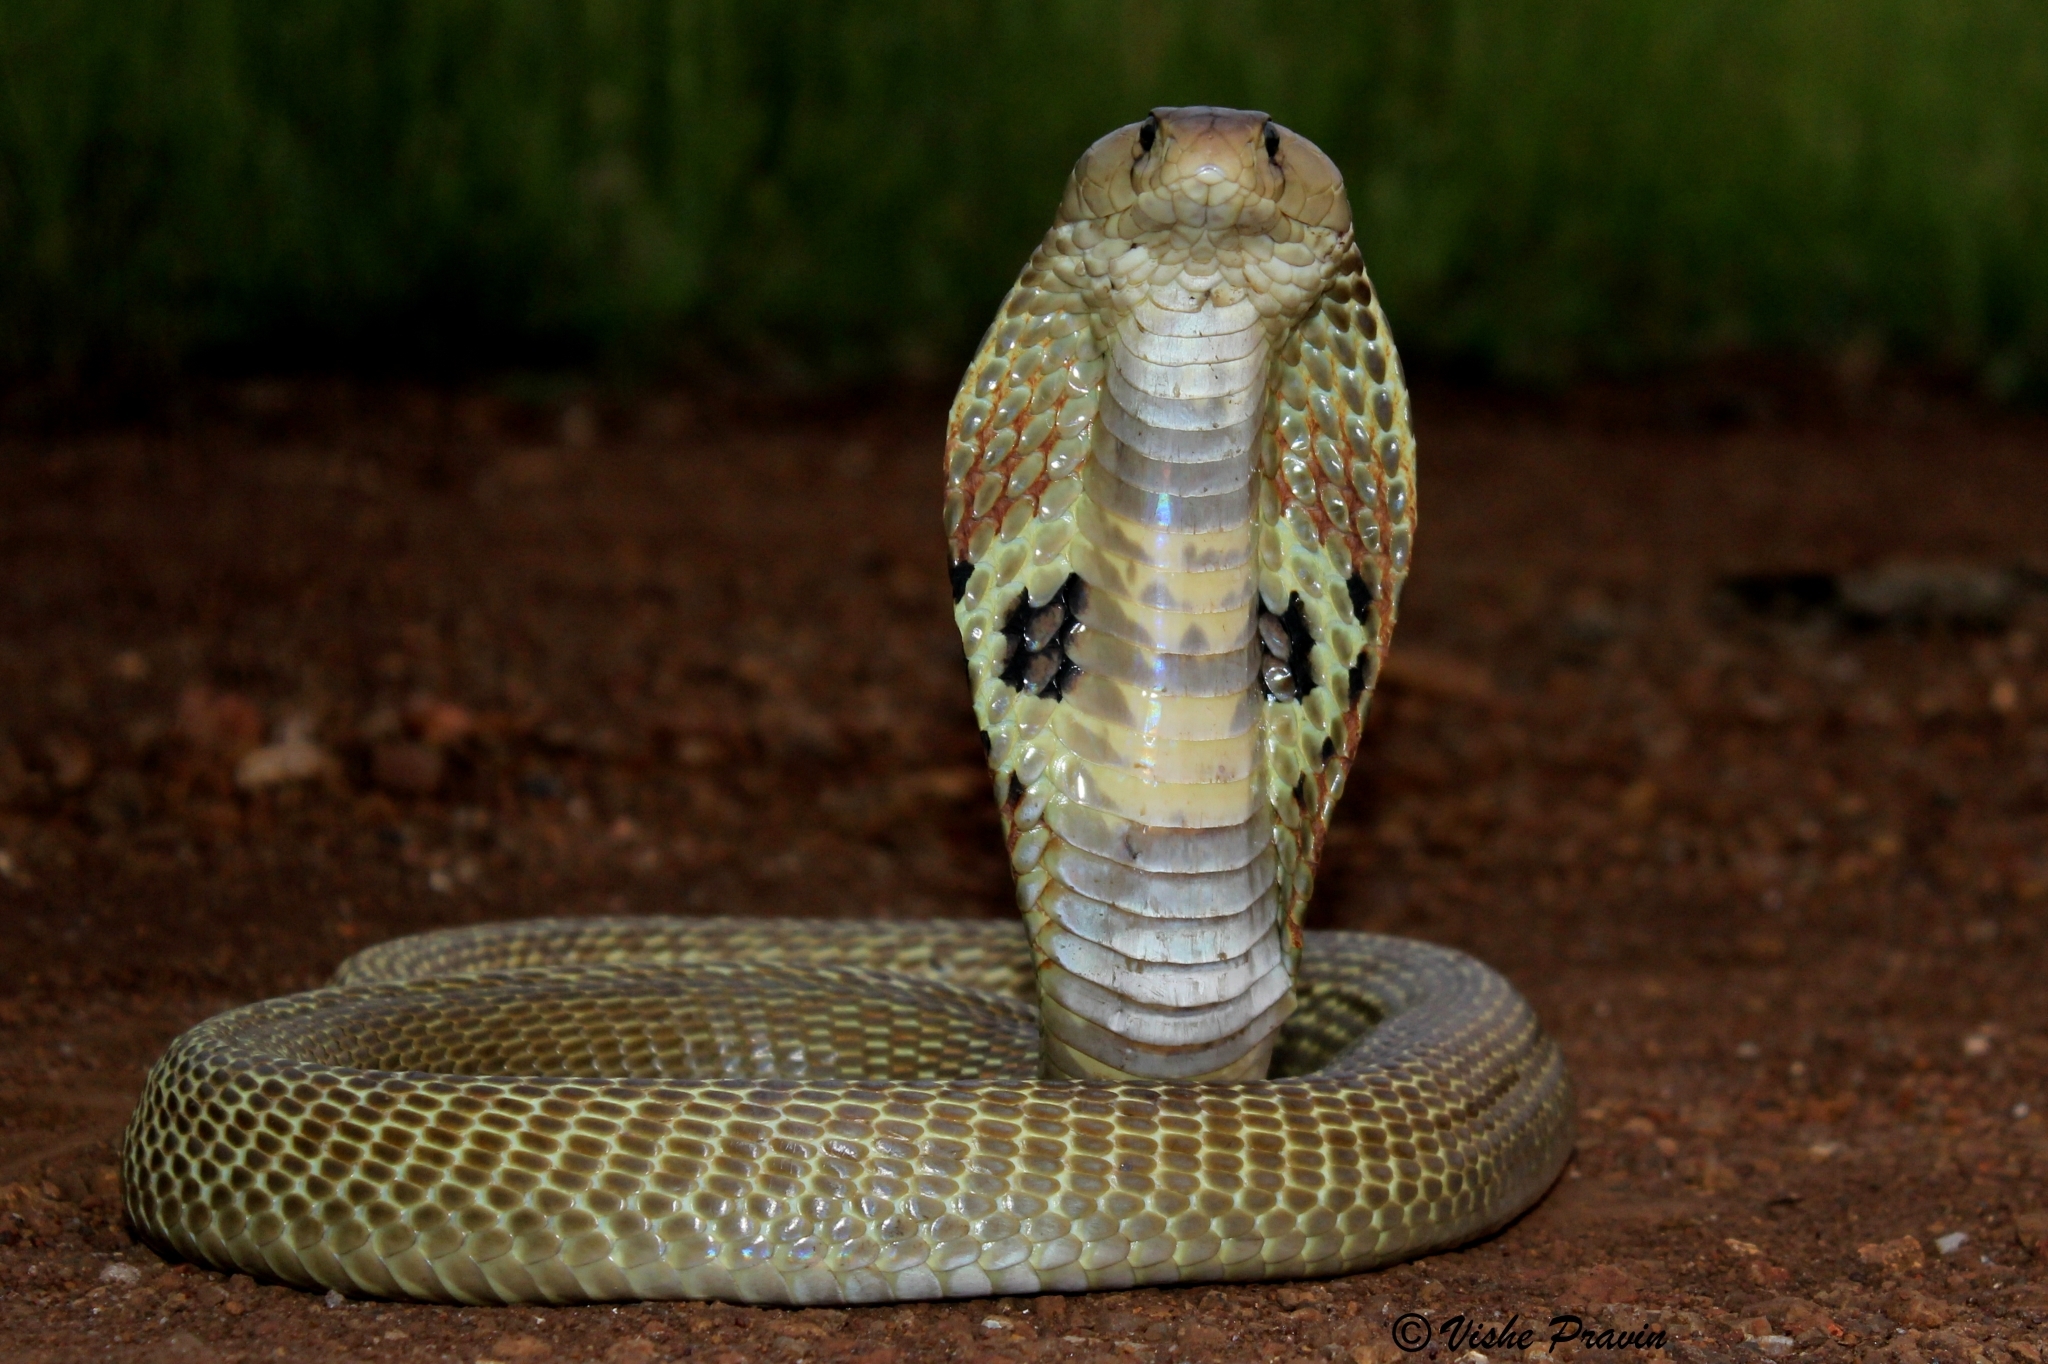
<point x="312" y="667"/>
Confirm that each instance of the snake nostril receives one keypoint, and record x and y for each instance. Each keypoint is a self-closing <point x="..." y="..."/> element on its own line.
<point x="1272" y="142"/>
<point x="1148" y="133"/>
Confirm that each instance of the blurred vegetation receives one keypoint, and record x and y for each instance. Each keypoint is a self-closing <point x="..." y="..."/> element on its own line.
<point x="1543" y="187"/>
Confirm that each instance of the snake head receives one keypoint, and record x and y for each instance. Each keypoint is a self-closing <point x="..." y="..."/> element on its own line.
<point x="1200" y="184"/>
<point x="1209" y="170"/>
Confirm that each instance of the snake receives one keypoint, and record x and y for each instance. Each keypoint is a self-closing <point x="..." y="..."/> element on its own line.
<point x="1180" y="506"/>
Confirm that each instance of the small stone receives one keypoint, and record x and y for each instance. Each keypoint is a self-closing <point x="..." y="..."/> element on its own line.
<point x="1904" y="1253"/>
<point x="334" y="1298"/>
<point x="1909" y="593"/>
<point x="280" y="764"/>
<point x="1920" y="1310"/>
<point x="638" y="1350"/>
<point x="439" y="722"/>
<point x="121" y="1274"/>
<point x="1951" y="1243"/>
<point x="1792" y="1317"/>
<point x="1774" y="1345"/>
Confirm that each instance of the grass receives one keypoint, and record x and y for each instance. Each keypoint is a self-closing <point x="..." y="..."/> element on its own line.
<point x="1542" y="188"/>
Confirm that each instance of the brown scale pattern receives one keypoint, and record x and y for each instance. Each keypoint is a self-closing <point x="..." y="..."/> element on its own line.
<point x="858" y="1121"/>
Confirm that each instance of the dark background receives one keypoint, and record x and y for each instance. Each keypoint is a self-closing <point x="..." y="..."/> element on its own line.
<point x="638" y="187"/>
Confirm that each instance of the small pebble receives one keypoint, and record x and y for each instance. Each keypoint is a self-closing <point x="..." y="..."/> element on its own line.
<point x="1951" y="1243"/>
<point x="334" y="1298"/>
<point x="439" y="722"/>
<point x="222" y="721"/>
<point x="121" y="1274"/>
<point x="294" y="760"/>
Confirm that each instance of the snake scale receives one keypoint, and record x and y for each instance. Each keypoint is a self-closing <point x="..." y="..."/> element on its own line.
<point x="1180" y="501"/>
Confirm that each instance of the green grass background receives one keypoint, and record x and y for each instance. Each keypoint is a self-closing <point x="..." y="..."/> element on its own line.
<point x="1543" y="187"/>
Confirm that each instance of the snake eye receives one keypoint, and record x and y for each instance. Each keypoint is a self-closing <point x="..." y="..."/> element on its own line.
<point x="1148" y="133"/>
<point x="1273" y="143"/>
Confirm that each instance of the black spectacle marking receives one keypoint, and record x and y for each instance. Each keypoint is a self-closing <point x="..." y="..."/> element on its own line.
<point x="1357" y="674"/>
<point x="1361" y="594"/>
<point x="1273" y="144"/>
<point x="960" y="573"/>
<point x="1297" y="678"/>
<point x="1148" y="133"/>
<point x="1037" y="661"/>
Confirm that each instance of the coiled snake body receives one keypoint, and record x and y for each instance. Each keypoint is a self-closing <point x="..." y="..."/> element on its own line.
<point x="1180" y="500"/>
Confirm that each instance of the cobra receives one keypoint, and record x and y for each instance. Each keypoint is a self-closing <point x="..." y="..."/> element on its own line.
<point x="1180" y="500"/>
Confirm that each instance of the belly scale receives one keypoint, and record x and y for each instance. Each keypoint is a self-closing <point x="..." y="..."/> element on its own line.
<point x="1151" y="895"/>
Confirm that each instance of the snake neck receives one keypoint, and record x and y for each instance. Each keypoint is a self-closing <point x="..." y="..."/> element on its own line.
<point x="1150" y="897"/>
